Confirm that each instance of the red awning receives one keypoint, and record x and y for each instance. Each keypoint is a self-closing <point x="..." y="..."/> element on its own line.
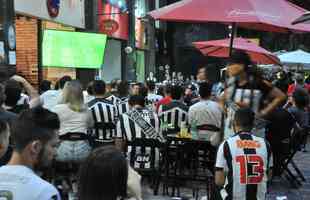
<point x="220" y="48"/>
<point x="271" y="15"/>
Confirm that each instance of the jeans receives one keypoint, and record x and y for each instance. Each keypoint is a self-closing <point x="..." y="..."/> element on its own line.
<point x="73" y="151"/>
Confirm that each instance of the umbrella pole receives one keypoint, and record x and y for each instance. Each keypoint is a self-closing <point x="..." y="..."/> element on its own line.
<point x="233" y="32"/>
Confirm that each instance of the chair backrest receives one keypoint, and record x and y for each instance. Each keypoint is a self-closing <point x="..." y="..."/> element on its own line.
<point x="174" y="114"/>
<point x="208" y="127"/>
<point x="282" y="123"/>
<point x="144" y="153"/>
<point x="297" y="138"/>
<point x="104" y="131"/>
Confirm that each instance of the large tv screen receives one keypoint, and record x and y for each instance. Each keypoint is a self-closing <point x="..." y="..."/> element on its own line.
<point x="73" y="49"/>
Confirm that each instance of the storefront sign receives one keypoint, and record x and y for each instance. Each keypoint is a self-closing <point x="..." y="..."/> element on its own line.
<point x="67" y="12"/>
<point x="113" y="20"/>
<point x="109" y="26"/>
<point x="53" y="7"/>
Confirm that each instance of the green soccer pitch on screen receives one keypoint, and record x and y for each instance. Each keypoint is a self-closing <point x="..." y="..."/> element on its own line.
<point x="73" y="49"/>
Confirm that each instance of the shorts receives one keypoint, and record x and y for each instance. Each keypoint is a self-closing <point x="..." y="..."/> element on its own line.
<point x="73" y="151"/>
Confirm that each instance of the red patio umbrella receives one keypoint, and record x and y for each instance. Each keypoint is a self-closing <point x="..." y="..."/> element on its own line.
<point x="221" y="48"/>
<point x="305" y="18"/>
<point x="271" y="15"/>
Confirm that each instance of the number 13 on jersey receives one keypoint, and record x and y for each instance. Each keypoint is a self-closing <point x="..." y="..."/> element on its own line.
<point x="251" y="169"/>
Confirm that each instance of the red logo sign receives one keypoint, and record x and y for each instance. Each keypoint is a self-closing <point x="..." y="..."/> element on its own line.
<point x="109" y="26"/>
<point x="53" y="7"/>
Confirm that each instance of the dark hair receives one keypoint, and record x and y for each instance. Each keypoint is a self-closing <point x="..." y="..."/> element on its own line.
<point x="123" y="88"/>
<point x="99" y="87"/>
<point x="3" y="128"/>
<point x="205" y="89"/>
<point x="90" y="89"/>
<point x="301" y="98"/>
<point x="136" y="100"/>
<point x="143" y="91"/>
<point x="45" y="86"/>
<point x="240" y="57"/>
<point x="168" y="89"/>
<point x="114" y="83"/>
<point x="244" y="117"/>
<point x="62" y="81"/>
<point x="103" y="175"/>
<point x="176" y="92"/>
<point x="150" y="85"/>
<point x="299" y="79"/>
<point x="160" y="91"/>
<point x="2" y="94"/>
<point x="34" y="124"/>
<point x="13" y="90"/>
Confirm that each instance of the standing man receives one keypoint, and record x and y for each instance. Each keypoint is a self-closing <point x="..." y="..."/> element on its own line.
<point x="136" y="88"/>
<point x="244" y="161"/>
<point x="202" y="75"/>
<point x="35" y="137"/>
<point x="123" y="91"/>
<point x="152" y="97"/>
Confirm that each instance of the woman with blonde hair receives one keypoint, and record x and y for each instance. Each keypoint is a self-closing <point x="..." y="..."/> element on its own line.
<point x="74" y="118"/>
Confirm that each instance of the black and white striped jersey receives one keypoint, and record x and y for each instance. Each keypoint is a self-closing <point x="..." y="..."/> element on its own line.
<point x="129" y="130"/>
<point x="103" y="112"/>
<point x="246" y="159"/>
<point x="173" y="113"/>
<point x="123" y="106"/>
<point x="114" y="99"/>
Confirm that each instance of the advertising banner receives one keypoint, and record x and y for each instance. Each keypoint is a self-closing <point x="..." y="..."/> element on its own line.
<point x="113" y="19"/>
<point x="67" y="12"/>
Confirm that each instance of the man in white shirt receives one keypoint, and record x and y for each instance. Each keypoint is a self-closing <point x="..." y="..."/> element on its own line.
<point x="206" y="115"/>
<point x="51" y="98"/>
<point x="35" y="137"/>
<point x="152" y="97"/>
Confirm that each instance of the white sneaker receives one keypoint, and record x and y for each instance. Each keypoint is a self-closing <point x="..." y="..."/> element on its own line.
<point x="204" y="198"/>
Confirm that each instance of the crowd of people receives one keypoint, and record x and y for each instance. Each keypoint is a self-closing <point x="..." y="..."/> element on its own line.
<point x="94" y="128"/>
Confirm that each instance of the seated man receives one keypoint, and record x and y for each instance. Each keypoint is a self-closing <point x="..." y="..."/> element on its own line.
<point x="139" y="122"/>
<point x="103" y="112"/>
<point x="206" y="115"/>
<point x="123" y="91"/>
<point x="4" y="138"/>
<point x="243" y="161"/>
<point x="174" y="113"/>
<point x="35" y="137"/>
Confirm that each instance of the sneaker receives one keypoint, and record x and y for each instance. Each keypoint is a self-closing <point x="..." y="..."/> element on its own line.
<point x="204" y="198"/>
